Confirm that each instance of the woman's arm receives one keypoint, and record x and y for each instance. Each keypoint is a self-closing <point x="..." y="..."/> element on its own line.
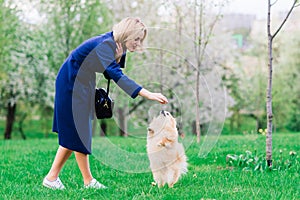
<point x="153" y="96"/>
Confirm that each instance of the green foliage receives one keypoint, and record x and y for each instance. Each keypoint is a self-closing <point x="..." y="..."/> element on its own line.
<point x="247" y="161"/>
<point x="9" y="26"/>
<point x="286" y="88"/>
<point x="69" y="23"/>
<point x="246" y="83"/>
<point x="294" y="121"/>
<point x="257" y="162"/>
<point x="31" y="54"/>
<point x="246" y="125"/>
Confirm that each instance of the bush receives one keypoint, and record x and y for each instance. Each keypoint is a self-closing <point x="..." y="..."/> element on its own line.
<point x="293" y="124"/>
<point x="254" y="162"/>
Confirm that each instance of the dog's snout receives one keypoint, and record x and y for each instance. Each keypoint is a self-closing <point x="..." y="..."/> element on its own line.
<point x="163" y="112"/>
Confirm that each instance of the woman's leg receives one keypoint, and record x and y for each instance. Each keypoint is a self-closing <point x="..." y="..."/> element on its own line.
<point x="61" y="157"/>
<point x="84" y="166"/>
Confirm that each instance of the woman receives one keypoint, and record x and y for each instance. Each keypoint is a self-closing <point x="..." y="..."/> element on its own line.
<point x="75" y="91"/>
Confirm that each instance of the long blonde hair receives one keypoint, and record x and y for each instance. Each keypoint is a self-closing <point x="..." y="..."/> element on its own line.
<point x="129" y="28"/>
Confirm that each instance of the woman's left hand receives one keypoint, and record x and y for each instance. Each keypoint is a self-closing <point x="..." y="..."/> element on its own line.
<point x="119" y="51"/>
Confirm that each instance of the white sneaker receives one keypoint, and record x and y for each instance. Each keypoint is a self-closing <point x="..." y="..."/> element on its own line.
<point x="94" y="184"/>
<point x="56" y="185"/>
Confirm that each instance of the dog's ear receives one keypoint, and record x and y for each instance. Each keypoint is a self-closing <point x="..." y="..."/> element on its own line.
<point x="151" y="131"/>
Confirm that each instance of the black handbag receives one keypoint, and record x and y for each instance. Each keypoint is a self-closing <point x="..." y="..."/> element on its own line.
<point x="103" y="103"/>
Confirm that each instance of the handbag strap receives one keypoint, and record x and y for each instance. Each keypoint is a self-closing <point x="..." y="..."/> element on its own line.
<point x="108" y="82"/>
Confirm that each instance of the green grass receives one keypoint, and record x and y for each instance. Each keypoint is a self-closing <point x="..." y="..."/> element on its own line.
<point x="23" y="164"/>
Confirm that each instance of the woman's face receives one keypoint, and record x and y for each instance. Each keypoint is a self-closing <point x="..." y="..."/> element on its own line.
<point x="133" y="43"/>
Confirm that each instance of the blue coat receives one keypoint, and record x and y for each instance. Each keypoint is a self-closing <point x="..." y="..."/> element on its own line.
<point x="75" y="90"/>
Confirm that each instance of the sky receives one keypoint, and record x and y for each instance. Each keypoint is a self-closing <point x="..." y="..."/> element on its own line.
<point x="257" y="7"/>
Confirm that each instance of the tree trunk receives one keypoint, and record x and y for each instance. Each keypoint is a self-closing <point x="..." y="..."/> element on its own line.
<point x="10" y="118"/>
<point x="239" y="121"/>
<point x="259" y="123"/>
<point x="198" y="131"/>
<point x="269" y="93"/>
<point x="22" y="119"/>
<point x="194" y="127"/>
<point x="269" y="88"/>
<point x="122" y="123"/>
<point x="103" y="128"/>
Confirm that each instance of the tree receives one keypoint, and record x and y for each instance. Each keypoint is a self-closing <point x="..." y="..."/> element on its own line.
<point x="168" y="64"/>
<point x="203" y="30"/>
<point x="271" y="37"/>
<point x="9" y="26"/>
<point x="28" y="74"/>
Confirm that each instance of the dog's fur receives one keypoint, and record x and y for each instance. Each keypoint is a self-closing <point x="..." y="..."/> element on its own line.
<point x="167" y="157"/>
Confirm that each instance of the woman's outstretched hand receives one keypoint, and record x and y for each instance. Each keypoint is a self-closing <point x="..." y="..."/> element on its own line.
<point x="153" y="96"/>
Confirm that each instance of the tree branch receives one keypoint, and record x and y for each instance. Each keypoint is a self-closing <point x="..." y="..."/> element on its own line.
<point x="209" y="35"/>
<point x="134" y="107"/>
<point x="285" y="19"/>
<point x="274" y="3"/>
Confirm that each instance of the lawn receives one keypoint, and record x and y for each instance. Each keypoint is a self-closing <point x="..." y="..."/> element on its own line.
<point x="122" y="165"/>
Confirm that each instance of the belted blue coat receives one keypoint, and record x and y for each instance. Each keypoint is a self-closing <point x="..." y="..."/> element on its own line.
<point x="75" y="90"/>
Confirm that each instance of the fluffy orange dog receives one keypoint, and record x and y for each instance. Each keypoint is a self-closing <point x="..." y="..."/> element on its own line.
<point x="166" y="154"/>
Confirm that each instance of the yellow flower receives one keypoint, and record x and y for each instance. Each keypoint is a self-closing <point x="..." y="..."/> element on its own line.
<point x="153" y="184"/>
<point x="260" y="130"/>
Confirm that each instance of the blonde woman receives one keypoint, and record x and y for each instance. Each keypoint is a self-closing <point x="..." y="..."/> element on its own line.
<point x="75" y="91"/>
